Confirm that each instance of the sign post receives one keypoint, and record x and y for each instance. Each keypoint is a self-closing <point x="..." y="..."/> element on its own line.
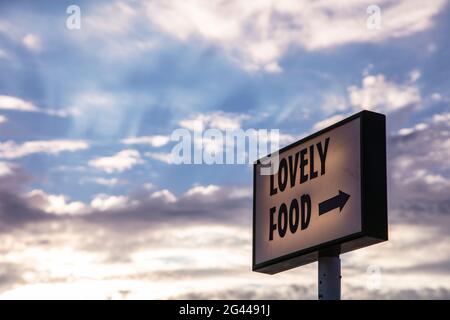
<point x="329" y="278"/>
<point x="323" y="196"/>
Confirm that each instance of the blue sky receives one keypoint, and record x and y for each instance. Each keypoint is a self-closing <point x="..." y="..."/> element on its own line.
<point x="72" y="186"/>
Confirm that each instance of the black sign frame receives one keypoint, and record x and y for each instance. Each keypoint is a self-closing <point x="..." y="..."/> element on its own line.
<point x="374" y="213"/>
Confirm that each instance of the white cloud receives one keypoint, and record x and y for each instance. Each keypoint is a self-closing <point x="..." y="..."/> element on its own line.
<point x="333" y="103"/>
<point x="164" y="195"/>
<point x="195" y="124"/>
<point x="112" y="182"/>
<point x="380" y="94"/>
<point x="273" y="137"/>
<point x="328" y="122"/>
<point x="419" y="162"/>
<point x="55" y="204"/>
<point x="416" y="128"/>
<point x="216" y="120"/>
<point x="6" y="169"/>
<point x="3" y="119"/>
<point x="121" y="161"/>
<point x="414" y="75"/>
<point x="148" y="186"/>
<point x="434" y="181"/>
<point x="202" y="190"/>
<point x="61" y="204"/>
<point x="213" y="192"/>
<point x="442" y="117"/>
<point x="117" y="27"/>
<point x="436" y="96"/>
<point x="260" y="32"/>
<point x="13" y="103"/>
<point x="33" y="42"/>
<point x="164" y="262"/>
<point x="154" y="141"/>
<point x="104" y="202"/>
<point x="17" y="104"/>
<point x="64" y="168"/>
<point x="165" y="157"/>
<point x="12" y="150"/>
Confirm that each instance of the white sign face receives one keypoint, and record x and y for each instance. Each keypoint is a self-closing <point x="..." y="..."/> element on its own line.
<point x="314" y="198"/>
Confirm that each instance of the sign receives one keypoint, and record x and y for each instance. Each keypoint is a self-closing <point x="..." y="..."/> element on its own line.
<point x="327" y="196"/>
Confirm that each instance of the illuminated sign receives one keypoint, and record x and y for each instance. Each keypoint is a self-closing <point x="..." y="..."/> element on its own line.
<point x="328" y="195"/>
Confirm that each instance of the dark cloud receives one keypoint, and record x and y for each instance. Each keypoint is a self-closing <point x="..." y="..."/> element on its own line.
<point x="419" y="171"/>
<point x="14" y="209"/>
<point x="441" y="293"/>
<point x="252" y="292"/>
<point x="213" y="208"/>
<point x="298" y="292"/>
<point x="441" y="267"/>
<point x="10" y="274"/>
<point x="143" y="211"/>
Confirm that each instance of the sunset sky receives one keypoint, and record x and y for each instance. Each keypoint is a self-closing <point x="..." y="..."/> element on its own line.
<point x="91" y="205"/>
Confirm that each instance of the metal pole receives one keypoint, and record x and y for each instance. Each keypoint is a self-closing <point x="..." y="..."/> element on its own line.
<point x="330" y="277"/>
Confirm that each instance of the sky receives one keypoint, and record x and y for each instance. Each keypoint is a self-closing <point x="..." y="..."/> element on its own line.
<point x="92" y="205"/>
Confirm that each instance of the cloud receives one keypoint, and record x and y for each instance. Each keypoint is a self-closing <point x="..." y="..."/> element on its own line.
<point x="328" y="122"/>
<point x="377" y="93"/>
<point x="3" y="119"/>
<point x="6" y="169"/>
<point x="12" y="150"/>
<point x="295" y="292"/>
<point x="202" y="190"/>
<point x="33" y="42"/>
<point x="148" y="246"/>
<point x="260" y="32"/>
<point x="165" y="157"/>
<point x="419" y="166"/>
<point x="200" y="203"/>
<point x="103" y="202"/>
<point x="149" y="186"/>
<point x="217" y="120"/>
<point x="164" y="195"/>
<point x="414" y="75"/>
<point x="111" y="182"/>
<point x="17" y="104"/>
<point x="118" y="29"/>
<point x="252" y="292"/>
<point x="121" y="161"/>
<point x="154" y="141"/>
<point x="55" y="204"/>
<point x="442" y="117"/>
<point x="416" y="128"/>
<point x="14" y="208"/>
<point x="172" y="261"/>
<point x="13" y="103"/>
<point x="333" y="103"/>
<point x="209" y="203"/>
<point x="436" y="96"/>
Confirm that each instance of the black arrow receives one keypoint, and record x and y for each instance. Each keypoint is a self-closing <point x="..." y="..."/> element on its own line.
<point x="338" y="201"/>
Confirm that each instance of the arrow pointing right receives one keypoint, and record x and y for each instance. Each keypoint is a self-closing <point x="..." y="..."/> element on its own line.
<point x="335" y="202"/>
